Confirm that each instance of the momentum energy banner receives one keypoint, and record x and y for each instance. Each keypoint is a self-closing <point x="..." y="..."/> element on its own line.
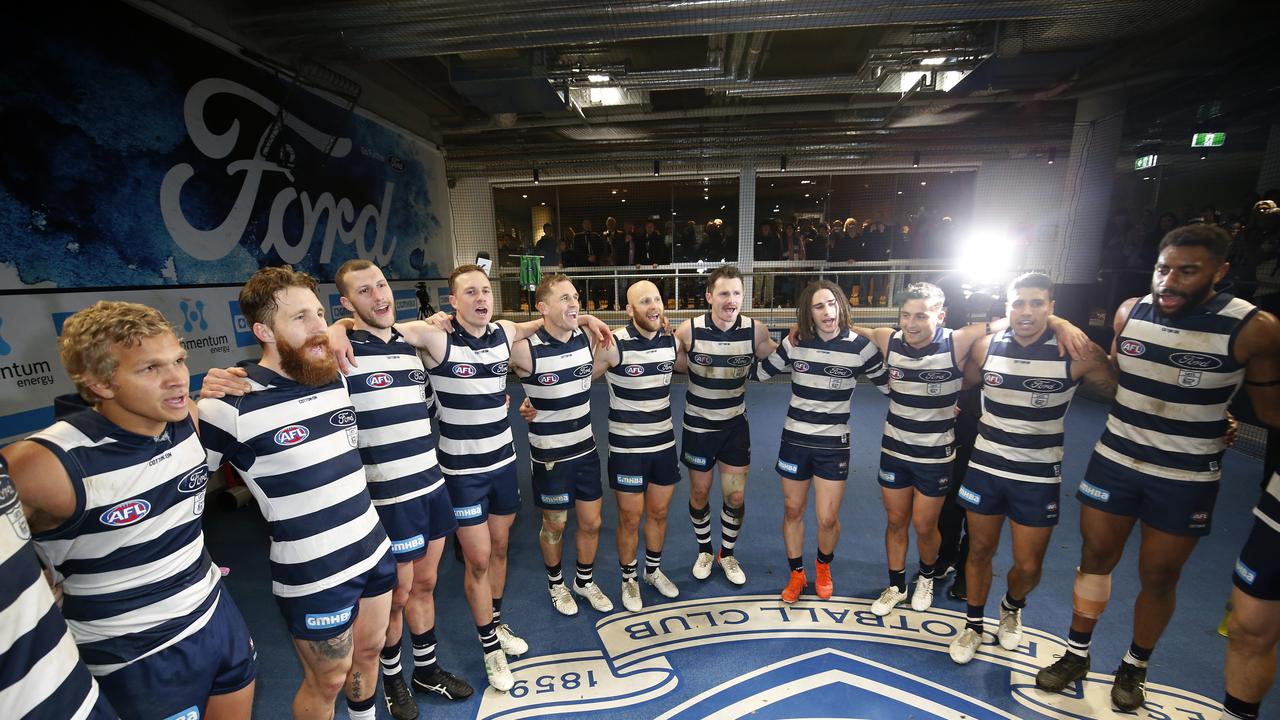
<point x="145" y="164"/>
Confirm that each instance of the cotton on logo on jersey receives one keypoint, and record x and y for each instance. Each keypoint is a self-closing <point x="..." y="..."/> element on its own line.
<point x="126" y="513"/>
<point x="292" y="435"/>
<point x="379" y="380"/>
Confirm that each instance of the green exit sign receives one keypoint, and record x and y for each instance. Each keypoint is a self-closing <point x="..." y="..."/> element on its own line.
<point x="1208" y="139"/>
<point x="1144" y="162"/>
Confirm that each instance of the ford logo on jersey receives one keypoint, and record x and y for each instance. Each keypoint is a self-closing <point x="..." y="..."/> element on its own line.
<point x="583" y="371"/>
<point x="126" y="513"/>
<point x="634" y="370"/>
<point x="343" y="418"/>
<point x="837" y="371"/>
<point x="935" y="375"/>
<point x="993" y="378"/>
<point x="292" y="435"/>
<point x="1195" y="361"/>
<point x="379" y="380"/>
<point x="548" y="378"/>
<point x="800" y="366"/>
<point x="1132" y="348"/>
<point x="194" y="480"/>
<point x="740" y="360"/>
<point x="1042" y="385"/>
<point x="464" y="370"/>
<point x="701" y="359"/>
<point x="417" y="376"/>
<point x="666" y="367"/>
<point x="500" y="369"/>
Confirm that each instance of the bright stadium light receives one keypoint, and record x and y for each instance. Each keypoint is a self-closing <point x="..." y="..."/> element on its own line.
<point x="987" y="256"/>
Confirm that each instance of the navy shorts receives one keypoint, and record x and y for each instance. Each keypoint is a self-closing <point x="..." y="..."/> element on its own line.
<point x="477" y="496"/>
<point x="556" y="486"/>
<point x="797" y="462"/>
<point x="217" y="659"/>
<point x="1033" y="504"/>
<point x="1172" y="506"/>
<point x="1257" y="571"/>
<point x="730" y="445"/>
<point x="633" y="472"/>
<point x="413" y="523"/>
<point x="329" y="613"/>
<point x="931" y="479"/>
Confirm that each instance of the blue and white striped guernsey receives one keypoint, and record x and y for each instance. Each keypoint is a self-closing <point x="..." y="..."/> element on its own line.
<point x="923" y="386"/>
<point x="823" y="376"/>
<point x="471" y="399"/>
<point x="41" y="676"/>
<point x="640" y="392"/>
<point x="1025" y="395"/>
<point x="131" y="558"/>
<point x="559" y="388"/>
<point x="1177" y="377"/>
<point x="392" y="400"/>
<point x="295" y="447"/>
<point x="1268" y="509"/>
<point x="719" y="364"/>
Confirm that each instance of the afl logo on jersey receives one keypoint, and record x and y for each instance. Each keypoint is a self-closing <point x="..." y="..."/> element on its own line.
<point x="800" y="366"/>
<point x="993" y="378"/>
<point x="292" y="435"/>
<point x="934" y="376"/>
<point x="343" y="418"/>
<point x="126" y="513"/>
<point x="464" y="370"/>
<point x="499" y="369"/>
<point x="634" y="370"/>
<point x="379" y="380"/>
<point x="837" y="371"/>
<point x="548" y="378"/>
<point x="194" y="480"/>
<point x="1042" y="385"/>
<point x="1195" y="361"/>
<point x="701" y="359"/>
<point x="583" y="371"/>
<point x="417" y="376"/>
<point x="1132" y="348"/>
<point x="896" y="374"/>
<point x="666" y="367"/>
<point x="740" y="360"/>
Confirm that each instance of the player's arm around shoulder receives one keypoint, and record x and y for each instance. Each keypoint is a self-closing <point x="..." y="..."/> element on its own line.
<point x="764" y="345"/>
<point x="684" y="341"/>
<point x="426" y="336"/>
<point x="1258" y="347"/>
<point x="1096" y="373"/>
<point x="603" y="358"/>
<point x="973" y="363"/>
<point x="43" y="486"/>
<point x="522" y="358"/>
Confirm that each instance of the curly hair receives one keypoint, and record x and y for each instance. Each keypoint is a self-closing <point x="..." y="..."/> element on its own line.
<point x="88" y="336"/>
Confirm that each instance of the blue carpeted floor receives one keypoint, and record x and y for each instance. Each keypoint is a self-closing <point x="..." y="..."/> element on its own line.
<point x="721" y="651"/>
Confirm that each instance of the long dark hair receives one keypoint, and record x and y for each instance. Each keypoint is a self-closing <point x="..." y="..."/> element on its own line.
<point x="804" y="309"/>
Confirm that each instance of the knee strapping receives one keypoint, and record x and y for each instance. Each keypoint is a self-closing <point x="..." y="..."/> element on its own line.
<point x="732" y="482"/>
<point x="557" y="517"/>
<point x="1090" y="595"/>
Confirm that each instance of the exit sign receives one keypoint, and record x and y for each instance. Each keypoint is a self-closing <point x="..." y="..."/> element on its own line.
<point x="1208" y="139"/>
<point x="1144" y="162"/>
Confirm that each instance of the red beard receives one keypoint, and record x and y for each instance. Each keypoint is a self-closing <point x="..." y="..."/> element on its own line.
<point x="305" y="369"/>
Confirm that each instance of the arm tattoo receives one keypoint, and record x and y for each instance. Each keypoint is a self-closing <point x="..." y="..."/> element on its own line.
<point x="335" y="648"/>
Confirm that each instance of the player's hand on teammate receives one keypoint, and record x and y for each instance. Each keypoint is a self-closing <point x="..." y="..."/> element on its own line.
<point x="1074" y="341"/>
<point x="526" y="411"/>
<point x="1233" y="431"/>
<point x="343" y="353"/>
<point x="220" y="383"/>
<point x="599" y="330"/>
<point x="442" y="320"/>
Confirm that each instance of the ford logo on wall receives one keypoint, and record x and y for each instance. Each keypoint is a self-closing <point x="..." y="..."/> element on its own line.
<point x="1042" y="385"/>
<point x="837" y="371"/>
<point x="935" y="375"/>
<point x="1195" y="361"/>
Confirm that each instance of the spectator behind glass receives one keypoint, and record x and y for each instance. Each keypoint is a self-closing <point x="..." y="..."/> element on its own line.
<point x="656" y="251"/>
<point x="586" y="242"/>
<point x="568" y="255"/>
<point x="766" y="245"/>
<point x="819" y="246"/>
<point x="547" y="247"/>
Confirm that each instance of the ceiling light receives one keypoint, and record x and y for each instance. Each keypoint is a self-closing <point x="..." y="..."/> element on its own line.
<point x="598" y="78"/>
<point x="614" y="192"/>
<point x="1053" y="153"/>
<point x="933" y="61"/>
<point x="922" y="182"/>
<point x="526" y="197"/>
<point x="544" y="204"/>
<point x="721" y="207"/>
<point x="706" y="179"/>
<point x="624" y="199"/>
<point x="915" y="159"/>
<point x="535" y="176"/>
<point x="655" y="167"/>
<point x="806" y="194"/>
<point x="899" y="192"/>
<point x="805" y="182"/>
<point x="782" y="163"/>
